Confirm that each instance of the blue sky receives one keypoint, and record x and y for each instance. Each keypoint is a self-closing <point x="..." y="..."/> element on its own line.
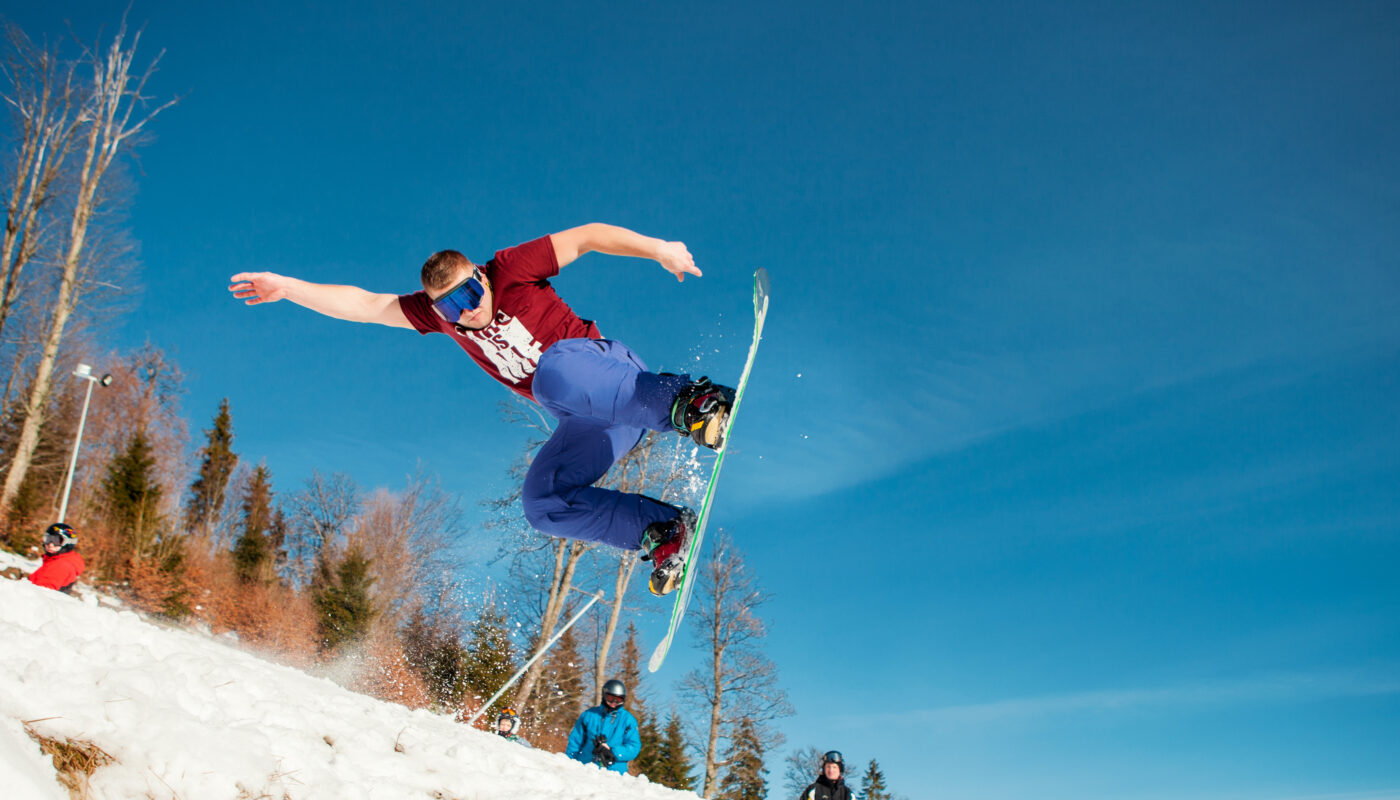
<point x="1071" y="456"/>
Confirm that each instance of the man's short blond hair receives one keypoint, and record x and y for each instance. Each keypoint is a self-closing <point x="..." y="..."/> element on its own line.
<point x="442" y="266"/>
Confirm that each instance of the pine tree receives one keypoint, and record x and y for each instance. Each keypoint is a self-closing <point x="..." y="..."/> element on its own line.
<point x="744" y="778"/>
<point x="253" y="556"/>
<point x="277" y="541"/>
<point x="344" y="610"/>
<point x="560" y="697"/>
<point x="432" y="650"/>
<point x="489" y="658"/>
<point x="630" y="673"/>
<point x="43" y="482"/>
<point x="873" y="784"/>
<point x="133" y="501"/>
<point x="648" y="761"/>
<point x="218" y="460"/>
<point x="25" y="523"/>
<point x="671" y="766"/>
<point x="172" y="564"/>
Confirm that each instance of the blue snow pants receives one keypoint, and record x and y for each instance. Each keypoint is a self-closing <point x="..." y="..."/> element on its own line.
<point x="605" y="400"/>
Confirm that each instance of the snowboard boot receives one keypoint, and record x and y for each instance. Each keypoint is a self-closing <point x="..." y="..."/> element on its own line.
<point x="701" y="411"/>
<point x="665" y="544"/>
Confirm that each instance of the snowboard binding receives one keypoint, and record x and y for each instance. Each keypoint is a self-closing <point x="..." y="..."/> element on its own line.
<point x="665" y="543"/>
<point x="701" y="411"/>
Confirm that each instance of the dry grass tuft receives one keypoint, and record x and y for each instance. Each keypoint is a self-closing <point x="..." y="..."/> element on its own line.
<point x="75" y="760"/>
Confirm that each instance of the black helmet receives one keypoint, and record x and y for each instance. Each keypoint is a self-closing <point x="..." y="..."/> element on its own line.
<point x="61" y="535"/>
<point x="614" y="688"/>
<point x="834" y="757"/>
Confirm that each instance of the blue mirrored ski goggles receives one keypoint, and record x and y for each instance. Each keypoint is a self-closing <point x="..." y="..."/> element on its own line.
<point x="465" y="296"/>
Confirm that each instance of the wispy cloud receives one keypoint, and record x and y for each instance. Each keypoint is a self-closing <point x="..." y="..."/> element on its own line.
<point x="1374" y="794"/>
<point x="1271" y="689"/>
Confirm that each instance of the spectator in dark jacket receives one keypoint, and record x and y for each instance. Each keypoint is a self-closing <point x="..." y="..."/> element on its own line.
<point x="606" y="735"/>
<point x="831" y="781"/>
<point x="62" y="564"/>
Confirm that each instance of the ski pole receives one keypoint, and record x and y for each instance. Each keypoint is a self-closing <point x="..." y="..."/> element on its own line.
<point x="512" y="679"/>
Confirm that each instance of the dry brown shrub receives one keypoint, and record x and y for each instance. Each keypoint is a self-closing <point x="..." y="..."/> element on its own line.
<point x="387" y="675"/>
<point x="550" y="739"/>
<point x="218" y="597"/>
<point x="100" y="549"/>
<point x="75" y="760"/>
<point x="280" y="620"/>
<point x="269" y="618"/>
<point x="148" y="585"/>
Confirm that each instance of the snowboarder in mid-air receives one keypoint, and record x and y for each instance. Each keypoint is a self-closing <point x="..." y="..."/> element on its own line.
<point x="508" y="318"/>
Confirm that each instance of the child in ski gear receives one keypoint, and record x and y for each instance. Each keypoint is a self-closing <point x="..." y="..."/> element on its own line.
<point x="62" y="564"/>
<point x="507" y="725"/>
<point x="505" y="315"/>
<point x="831" y="782"/>
<point x="606" y="735"/>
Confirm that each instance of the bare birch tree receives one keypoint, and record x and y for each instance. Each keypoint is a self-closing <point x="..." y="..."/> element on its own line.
<point x="658" y="467"/>
<point x="111" y="126"/>
<point x="738" y="682"/>
<point x="651" y="467"/>
<point x="532" y="555"/>
<point x="45" y="109"/>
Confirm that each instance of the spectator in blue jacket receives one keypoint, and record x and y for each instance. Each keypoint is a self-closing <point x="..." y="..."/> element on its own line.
<point x="606" y="735"/>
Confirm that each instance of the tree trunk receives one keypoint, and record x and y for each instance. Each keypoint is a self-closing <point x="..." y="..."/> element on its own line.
<point x="566" y="557"/>
<point x="625" y="565"/>
<point x="109" y="119"/>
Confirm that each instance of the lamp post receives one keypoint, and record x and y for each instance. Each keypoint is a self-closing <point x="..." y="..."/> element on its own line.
<point x="85" y="372"/>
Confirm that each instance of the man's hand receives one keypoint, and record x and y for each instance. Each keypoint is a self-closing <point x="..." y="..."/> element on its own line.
<point x="342" y="302"/>
<point x="602" y="753"/>
<point x="259" y="287"/>
<point x="676" y="259"/>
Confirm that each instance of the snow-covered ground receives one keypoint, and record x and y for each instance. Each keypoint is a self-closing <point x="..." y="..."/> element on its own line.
<point x="189" y="717"/>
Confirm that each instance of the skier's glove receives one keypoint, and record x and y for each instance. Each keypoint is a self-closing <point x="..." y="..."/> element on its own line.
<point x="602" y="753"/>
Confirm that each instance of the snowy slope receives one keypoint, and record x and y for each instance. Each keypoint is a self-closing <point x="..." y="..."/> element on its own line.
<point x="192" y="718"/>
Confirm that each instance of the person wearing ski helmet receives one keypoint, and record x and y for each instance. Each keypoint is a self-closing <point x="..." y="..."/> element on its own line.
<point x="508" y="725"/>
<point x="831" y="780"/>
<point x="62" y="564"/>
<point x="606" y="734"/>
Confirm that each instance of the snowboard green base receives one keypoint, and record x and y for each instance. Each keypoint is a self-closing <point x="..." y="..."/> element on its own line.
<point x="760" y="311"/>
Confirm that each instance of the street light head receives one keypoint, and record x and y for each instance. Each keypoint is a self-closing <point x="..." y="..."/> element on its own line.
<point x="106" y="379"/>
<point x="83" y="371"/>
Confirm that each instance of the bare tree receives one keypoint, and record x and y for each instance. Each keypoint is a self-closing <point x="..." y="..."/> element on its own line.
<point x="320" y="515"/>
<point x="111" y="126"/>
<point x="534" y="556"/>
<point x="46" y="111"/>
<point x="553" y="563"/>
<point x="567" y="553"/>
<point x="800" y="768"/>
<point x="657" y="466"/>
<point x="738" y="682"/>
<point x="404" y="534"/>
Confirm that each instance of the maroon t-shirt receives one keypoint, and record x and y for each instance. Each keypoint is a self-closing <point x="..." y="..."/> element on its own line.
<point x="530" y="316"/>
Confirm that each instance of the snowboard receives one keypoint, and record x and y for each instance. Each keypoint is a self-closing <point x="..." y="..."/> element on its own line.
<point x="760" y="311"/>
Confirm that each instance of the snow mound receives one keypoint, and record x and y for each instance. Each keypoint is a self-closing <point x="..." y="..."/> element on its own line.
<point x="188" y="717"/>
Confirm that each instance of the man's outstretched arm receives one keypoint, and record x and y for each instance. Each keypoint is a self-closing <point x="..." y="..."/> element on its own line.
<point x="341" y="302"/>
<point x="613" y="240"/>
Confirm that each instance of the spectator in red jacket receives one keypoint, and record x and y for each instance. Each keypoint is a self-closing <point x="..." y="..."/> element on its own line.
<point x="62" y="564"/>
